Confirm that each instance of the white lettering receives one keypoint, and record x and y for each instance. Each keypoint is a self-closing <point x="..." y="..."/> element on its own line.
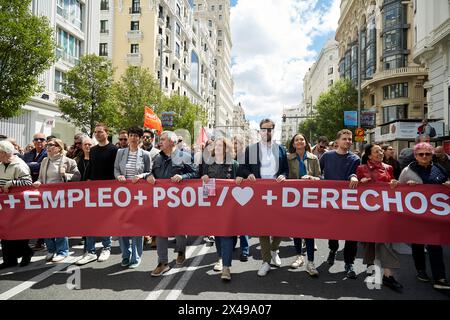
<point x="27" y="198"/>
<point x="307" y="197"/>
<point x="172" y="194"/>
<point x="184" y="197"/>
<point x="364" y="203"/>
<point x="387" y="201"/>
<point x="104" y="194"/>
<point x="439" y="204"/>
<point x="158" y="194"/>
<point x="346" y="197"/>
<point x="71" y="198"/>
<point x="59" y="198"/>
<point x="423" y="199"/>
<point x="285" y="197"/>
<point x="332" y="200"/>
<point x="87" y="199"/>
<point x="127" y="201"/>
<point x="201" y="199"/>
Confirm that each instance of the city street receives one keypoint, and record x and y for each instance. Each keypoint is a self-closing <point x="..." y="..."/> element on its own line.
<point x="197" y="281"/>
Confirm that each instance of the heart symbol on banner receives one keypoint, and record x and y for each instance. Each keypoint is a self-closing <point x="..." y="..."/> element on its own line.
<point x="242" y="195"/>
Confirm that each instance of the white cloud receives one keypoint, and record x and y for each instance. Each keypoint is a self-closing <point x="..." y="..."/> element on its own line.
<point x="272" y="51"/>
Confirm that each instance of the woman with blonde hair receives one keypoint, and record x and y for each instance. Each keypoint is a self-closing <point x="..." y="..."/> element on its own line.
<point x="57" y="168"/>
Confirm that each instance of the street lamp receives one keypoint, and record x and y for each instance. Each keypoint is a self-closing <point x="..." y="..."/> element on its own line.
<point x="161" y="62"/>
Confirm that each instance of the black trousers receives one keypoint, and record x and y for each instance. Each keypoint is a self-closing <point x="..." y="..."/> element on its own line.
<point x="350" y="249"/>
<point x="436" y="259"/>
<point x="14" y="249"/>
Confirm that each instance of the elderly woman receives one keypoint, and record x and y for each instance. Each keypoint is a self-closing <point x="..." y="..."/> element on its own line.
<point x="132" y="163"/>
<point x="303" y="165"/>
<point x="57" y="168"/>
<point x="223" y="167"/>
<point x="372" y="170"/>
<point x="13" y="172"/>
<point x="423" y="171"/>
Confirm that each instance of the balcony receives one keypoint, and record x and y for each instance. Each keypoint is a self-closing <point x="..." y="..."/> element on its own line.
<point x="134" y="10"/>
<point x="134" y="35"/>
<point x="134" y="59"/>
<point x="64" y="56"/>
<point x="395" y="73"/>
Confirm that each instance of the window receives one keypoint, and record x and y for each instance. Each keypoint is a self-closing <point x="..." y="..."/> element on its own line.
<point x="166" y="82"/>
<point x="178" y="29"/>
<point x="69" y="46"/>
<point x="60" y="78"/>
<point x="330" y="70"/>
<point x="178" y="10"/>
<point x="395" y="91"/>
<point x="71" y="11"/>
<point x="220" y="7"/>
<point x="135" y="48"/>
<point x="177" y="50"/>
<point x="330" y="83"/>
<point x="212" y="8"/>
<point x="393" y="113"/>
<point x="220" y="17"/>
<point x="104" y="26"/>
<point x="200" y="7"/>
<point x="220" y="33"/>
<point x="161" y="12"/>
<point x="103" y="50"/>
<point x="167" y="62"/>
<point x="371" y="49"/>
<point x="395" y="61"/>
<point x="135" y="6"/>
<point x="219" y="43"/>
<point x="104" y="5"/>
<point x="135" y="26"/>
<point x="210" y="23"/>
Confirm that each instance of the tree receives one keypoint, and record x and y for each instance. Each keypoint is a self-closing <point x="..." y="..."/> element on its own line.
<point x="330" y="107"/>
<point x="309" y="128"/>
<point x="90" y="96"/>
<point x="26" y="50"/>
<point x="136" y="89"/>
<point x="186" y="113"/>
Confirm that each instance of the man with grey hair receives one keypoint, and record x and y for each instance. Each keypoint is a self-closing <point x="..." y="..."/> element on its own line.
<point x="171" y="164"/>
<point x="14" y="172"/>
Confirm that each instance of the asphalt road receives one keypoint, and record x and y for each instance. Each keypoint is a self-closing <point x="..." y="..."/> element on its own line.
<point x="197" y="281"/>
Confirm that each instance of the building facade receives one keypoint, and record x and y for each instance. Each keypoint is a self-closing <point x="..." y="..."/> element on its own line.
<point x="322" y="74"/>
<point x="392" y="82"/>
<point x="240" y="125"/>
<point x="289" y="127"/>
<point x="432" y="50"/>
<point x="75" y="34"/>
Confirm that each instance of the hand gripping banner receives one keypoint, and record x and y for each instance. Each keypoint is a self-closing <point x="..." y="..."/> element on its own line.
<point x="294" y="208"/>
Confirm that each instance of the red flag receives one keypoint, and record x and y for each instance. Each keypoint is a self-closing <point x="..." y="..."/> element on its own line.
<point x="151" y="120"/>
<point x="202" y="137"/>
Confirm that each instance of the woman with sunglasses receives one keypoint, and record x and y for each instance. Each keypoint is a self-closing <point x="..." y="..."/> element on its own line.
<point x="57" y="168"/>
<point x="423" y="171"/>
<point x="373" y="170"/>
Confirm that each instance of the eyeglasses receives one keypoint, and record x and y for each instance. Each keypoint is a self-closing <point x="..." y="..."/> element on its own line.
<point x="49" y="145"/>
<point x="267" y="129"/>
<point x="123" y="139"/>
<point x="424" y="154"/>
<point x="321" y="147"/>
<point x="147" y="137"/>
<point x="39" y="139"/>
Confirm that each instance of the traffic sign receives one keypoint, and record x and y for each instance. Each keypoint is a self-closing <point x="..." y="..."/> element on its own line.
<point x="359" y="139"/>
<point x="359" y="132"/>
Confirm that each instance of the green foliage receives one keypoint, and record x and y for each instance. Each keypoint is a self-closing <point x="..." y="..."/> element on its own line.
<point x="89" y="87"/>
<point x="186" y="112"/>
<point x="309" y="127"/>
<point x="330" y="107"/>
<point x="136" y="89"/>
<point x="26" y="51"/>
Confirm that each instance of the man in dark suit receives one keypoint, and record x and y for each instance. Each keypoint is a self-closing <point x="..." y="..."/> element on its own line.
<point x="265" y="160"/>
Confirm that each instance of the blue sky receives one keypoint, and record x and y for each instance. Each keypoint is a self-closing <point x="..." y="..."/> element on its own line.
<point x="275" y="42"/>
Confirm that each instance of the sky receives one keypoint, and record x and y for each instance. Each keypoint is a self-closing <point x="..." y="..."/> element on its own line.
<point x="275" y="42"/>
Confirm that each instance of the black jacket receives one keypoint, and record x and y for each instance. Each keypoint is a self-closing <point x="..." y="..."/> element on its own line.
<point x="165" y="167"/>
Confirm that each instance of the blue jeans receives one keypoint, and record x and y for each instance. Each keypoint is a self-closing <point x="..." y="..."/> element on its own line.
<point x="59" y="246"/>
<point x="89" y="244"/>
<point x="243" y="244"/>
<point x="134" y="249"/>
<point x="309" y="247"/>
<point x="225" y="250"/>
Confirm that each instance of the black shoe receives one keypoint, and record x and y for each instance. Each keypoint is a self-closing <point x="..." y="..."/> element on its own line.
<point x="243" y="258"/>
<point x="331" y="258"/>
<point x="390" y="282"/>
<point x="26" y="259"/>
<point x="422" y="276"/>
<point x="7" y="265"/>
<point x="351" y="274"/>
<point x="442" y="284"/>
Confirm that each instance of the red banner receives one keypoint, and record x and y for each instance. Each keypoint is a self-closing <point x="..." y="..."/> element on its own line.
<point x="311" y="209"/>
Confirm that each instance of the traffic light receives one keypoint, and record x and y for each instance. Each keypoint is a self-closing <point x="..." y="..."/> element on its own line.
<point x="284" y="118"/>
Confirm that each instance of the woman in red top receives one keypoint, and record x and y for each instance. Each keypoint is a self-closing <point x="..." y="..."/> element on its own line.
<point x="372" y="170"/>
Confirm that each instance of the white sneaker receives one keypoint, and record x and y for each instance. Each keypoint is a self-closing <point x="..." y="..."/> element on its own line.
<point x="87" y="257"/>
<point x="276" y="258"/>
<point x="370" y="270"/>
<point x="264" y="269"/>
<point x="218" y="266"/>
<point x="49" y="256"/>
<point x="59" y="258"/>
<point x="311" y="269"/>
<point x="300" y="261"/>
<point x="104" y="255"/>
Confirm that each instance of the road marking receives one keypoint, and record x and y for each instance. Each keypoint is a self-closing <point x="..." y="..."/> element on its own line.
<point x="178" y="289"/>
<point x="28" y="284"/>
<point x="168" y="276"/>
